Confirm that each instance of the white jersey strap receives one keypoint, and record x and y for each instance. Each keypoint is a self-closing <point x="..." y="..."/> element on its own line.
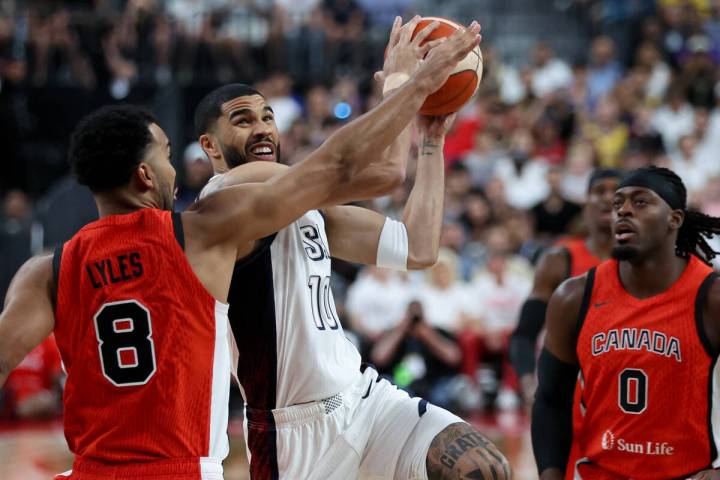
<point x="392" y="249"/>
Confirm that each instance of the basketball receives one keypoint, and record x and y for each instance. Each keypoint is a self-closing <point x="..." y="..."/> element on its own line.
<point x="463" y="81"/>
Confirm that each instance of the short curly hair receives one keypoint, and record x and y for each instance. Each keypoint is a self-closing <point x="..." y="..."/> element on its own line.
<point x="108" y="144"/>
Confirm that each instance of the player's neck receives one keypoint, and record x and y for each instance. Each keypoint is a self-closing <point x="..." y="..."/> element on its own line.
<point x="121" y="203"/>
<point x="651" y="276"/>
<point x="600" y="243"/>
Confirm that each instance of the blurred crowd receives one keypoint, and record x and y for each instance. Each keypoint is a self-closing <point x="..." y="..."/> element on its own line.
<point x="518" y="157"/>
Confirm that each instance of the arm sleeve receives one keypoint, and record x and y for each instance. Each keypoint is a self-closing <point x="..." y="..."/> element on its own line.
<point x="524" y="338"/>
<point x="552" y="412"/>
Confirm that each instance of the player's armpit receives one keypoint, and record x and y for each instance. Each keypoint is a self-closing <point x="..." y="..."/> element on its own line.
<point x="711" y="313"/>
<point x="28" y="316"/>
<point x="460" y="451"/>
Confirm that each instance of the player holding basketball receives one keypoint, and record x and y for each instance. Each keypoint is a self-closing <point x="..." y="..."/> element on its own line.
<point x="137" y="298"/>
<point x="311" y="413"/>
<point x="643" y="330"/>
<point x="569" y="258"/>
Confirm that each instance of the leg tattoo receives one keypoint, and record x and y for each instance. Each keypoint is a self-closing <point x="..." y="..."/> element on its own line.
<point x="461" y="452"/>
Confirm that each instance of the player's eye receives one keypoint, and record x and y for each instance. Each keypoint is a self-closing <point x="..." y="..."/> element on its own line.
<point x="617" y="203"/>
<point x="242" y="121"/>
<point x="268" y="118"/>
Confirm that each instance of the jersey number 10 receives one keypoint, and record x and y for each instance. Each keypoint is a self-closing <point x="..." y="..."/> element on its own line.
<point x="321" y="300"/>
<point x="127" y="351"/>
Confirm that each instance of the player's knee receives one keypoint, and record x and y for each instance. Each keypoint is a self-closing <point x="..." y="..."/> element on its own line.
<point x="460" y="451"/>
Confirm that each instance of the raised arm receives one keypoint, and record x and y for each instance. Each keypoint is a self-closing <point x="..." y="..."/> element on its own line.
<point x="363" y="236"/>
<point x="28" y="316"/>
<point x="557" y="372"/>
<point x="247" y="212"/>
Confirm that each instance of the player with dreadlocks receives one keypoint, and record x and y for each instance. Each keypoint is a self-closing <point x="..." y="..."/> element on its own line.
<point x="640" y="334"/>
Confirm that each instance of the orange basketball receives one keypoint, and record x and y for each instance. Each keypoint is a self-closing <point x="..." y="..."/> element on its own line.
<point x="463" y="81"/>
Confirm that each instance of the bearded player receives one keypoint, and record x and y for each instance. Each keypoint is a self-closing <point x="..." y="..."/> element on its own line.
<point x="640" y="334"/>
<point x="312" y="412"/>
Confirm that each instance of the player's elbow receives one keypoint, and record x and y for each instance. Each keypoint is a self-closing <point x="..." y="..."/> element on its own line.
<point x="390" y="179"/>
<point x="420" y="260"/>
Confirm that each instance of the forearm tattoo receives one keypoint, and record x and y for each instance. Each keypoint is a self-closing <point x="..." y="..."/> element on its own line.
<point x="460" y="452"/>
<point x="428" y="147"/>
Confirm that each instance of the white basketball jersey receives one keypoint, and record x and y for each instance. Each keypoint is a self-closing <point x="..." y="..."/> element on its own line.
<point x="292" y="348"/>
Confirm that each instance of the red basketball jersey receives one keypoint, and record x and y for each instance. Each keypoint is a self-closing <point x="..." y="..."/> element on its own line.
<point x="145" y="349"/>
<point x="647" y="373"/>
<point x="581" y="258"/>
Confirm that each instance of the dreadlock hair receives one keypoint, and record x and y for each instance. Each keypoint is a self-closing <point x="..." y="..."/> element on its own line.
<point x="697" y="227"/>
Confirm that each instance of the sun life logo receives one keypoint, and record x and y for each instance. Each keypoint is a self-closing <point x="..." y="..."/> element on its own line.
<point x="608" y="440"/>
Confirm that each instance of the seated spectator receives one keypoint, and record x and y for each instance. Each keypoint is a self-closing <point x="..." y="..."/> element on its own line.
<point x="419" y="357"/>
<point x="549" y="73"/>
<point x="442" y="294"/>
<point x="580" y="161"/>
<point x="376" y="302"/>
<point x="607" y="133"/>
<point x="496" y="296"/>
<point x="522" y="175"/>
<point x="674" y="118"/>
<point x="32" y="389"/>
<point x="554" y="215"/>
<point x="604" y="70"/>
<point x="198" y="171"/>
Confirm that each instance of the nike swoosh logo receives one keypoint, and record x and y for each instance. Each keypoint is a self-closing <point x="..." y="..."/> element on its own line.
<point x="600" y="304"/>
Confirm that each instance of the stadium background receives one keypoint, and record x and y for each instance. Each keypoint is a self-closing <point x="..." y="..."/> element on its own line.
<point x="568" y="85"/>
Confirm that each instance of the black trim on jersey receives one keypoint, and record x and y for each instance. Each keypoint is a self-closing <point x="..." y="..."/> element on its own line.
<point x="56" y="262"/>
<point x="422" y="407"/>
<point x="568" y="256"/>
<point x="252" y="320"/>
<point x="262" y="245"/>
<point x="178" y="229"/>
<point x="587" y="295"/>
<point x="699" y="303"/>
<point x="712" y="353"/>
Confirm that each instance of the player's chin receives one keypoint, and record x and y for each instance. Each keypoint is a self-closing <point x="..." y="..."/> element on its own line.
<point x="624" y="251"/>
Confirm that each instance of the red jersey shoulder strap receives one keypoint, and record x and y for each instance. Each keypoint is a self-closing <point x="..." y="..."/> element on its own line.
<point x="587" y="295"/>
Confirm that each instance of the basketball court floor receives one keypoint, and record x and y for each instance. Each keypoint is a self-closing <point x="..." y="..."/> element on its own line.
<point x="37" y="451"/>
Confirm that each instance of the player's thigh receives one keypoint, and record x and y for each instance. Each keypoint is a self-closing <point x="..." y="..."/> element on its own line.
<point x="460" y="451"/>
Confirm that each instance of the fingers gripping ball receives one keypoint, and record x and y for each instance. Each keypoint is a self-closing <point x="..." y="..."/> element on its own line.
<point x="463" y="81"/>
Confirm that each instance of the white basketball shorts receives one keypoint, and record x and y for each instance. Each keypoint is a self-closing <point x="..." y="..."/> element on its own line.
<point x="372" y="430"/>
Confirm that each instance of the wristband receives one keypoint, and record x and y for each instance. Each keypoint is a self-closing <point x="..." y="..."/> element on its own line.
<point x="395" y="80"/>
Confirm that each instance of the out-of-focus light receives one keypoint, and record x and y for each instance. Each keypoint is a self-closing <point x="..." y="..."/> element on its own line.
<point x="343" y="110"/>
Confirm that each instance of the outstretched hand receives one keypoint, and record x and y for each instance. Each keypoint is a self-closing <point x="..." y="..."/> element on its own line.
<point x="404" y="53"/>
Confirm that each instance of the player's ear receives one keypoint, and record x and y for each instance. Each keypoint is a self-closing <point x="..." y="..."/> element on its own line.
<point x="211" y="147"/>
<point x="144" y="176"/>
<point x="677" y="217"/>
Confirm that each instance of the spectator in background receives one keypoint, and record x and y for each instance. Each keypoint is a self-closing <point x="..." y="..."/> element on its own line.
<point x="32" y="389"/>
<point x="496" y="295"/>
<point x="301" y="22"/>
<point x="442" y="295"/>
<point x="277" y="89"/>
<point x="657" y="74"/>
<point x="198" y="171"/>
<point x="674" y="118"/>
<point x="549" y="73"/>
<point x="522" y="176"/>
<point x="376" y="302"/>
<point x="579" y="167"/>
<point x="16" y="237"/>
<point x="420" y="357"/>
<point x="343" y="23"/>
<point x="604" y="70"/>
<point x="554" y="215"/>
<point x="607" y="133"/>
<point x="684" y="162"/>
